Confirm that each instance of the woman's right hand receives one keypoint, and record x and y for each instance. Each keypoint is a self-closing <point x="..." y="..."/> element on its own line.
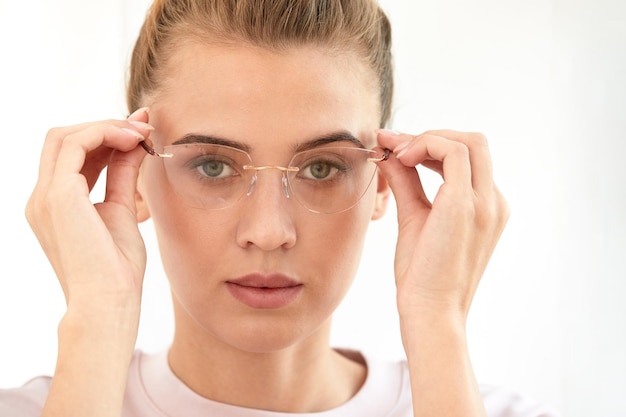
<point x="95" y="249"/>
<point x="99" y="258"/>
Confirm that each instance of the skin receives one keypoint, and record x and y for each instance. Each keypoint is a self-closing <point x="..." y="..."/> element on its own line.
<point x="255" y="97"/>
<point x="291" y="97"/>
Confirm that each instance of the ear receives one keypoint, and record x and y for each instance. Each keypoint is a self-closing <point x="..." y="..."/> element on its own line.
<point x="143" y="212"/>
<point x="382" y="197"/>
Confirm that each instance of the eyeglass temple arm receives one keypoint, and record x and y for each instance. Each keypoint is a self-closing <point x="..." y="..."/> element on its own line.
<point x="152" y="152"/>
<point x="382" y="158"/>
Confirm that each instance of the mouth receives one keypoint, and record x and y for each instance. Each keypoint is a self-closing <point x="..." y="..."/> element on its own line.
<point x="265" y="291"/>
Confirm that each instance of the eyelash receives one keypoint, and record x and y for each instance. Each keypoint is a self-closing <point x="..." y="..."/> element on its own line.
<point x="336" y="169"/>
<point x="196" y="165"/>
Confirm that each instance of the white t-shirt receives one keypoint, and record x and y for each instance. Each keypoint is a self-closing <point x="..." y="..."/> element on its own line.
<point x="153" y="390"/>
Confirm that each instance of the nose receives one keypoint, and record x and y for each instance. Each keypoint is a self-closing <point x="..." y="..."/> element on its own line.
<point x="266" y="219"/>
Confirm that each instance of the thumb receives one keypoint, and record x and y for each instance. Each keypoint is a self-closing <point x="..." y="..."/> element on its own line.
<point x="122" y="174"/>
<point x="406" y="185"/>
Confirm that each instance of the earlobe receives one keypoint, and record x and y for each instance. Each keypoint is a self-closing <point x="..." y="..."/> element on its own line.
<point x="382" y="197"/>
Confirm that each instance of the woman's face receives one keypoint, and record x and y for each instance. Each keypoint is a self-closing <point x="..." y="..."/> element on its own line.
<point x="221" y="263"/>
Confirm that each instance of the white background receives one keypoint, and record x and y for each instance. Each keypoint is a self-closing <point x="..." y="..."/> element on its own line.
<point x="545" y="80"/>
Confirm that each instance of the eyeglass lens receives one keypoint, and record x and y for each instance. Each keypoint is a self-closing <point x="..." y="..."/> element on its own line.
<point x="328" y="179"/>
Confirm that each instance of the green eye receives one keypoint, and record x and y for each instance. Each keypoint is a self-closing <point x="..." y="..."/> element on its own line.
<point x="212" y="169"/>
<point x="320" y="170"/>
<point x="215" y="169"/>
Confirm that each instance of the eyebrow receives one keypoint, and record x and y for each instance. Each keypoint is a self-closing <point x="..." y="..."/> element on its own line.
<point x="340" y="136"/>
<point x="334" y="137"/>
<point x="212" y="140"/>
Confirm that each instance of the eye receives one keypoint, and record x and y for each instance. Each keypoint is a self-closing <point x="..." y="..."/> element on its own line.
<point x="213" y="168"/>
<point x="322" y="170"/>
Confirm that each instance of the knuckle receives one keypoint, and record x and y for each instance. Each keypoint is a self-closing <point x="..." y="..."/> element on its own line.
<point x="494" y="214"/>
<point x="30" y="212"/>
<point x="459" y="149"/>
<point x="55" y="134"/>
<point x="504" y="209"/>
<point x="477" y="140"/>
<point x="73" y="141"/>
<point x="36" y="211"/>
<point x="61" y="137"/>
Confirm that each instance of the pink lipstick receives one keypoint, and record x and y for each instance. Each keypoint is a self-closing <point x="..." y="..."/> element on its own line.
<point x="264" y="291"/>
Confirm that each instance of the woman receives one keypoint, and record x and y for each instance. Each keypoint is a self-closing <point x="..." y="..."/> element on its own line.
<point x="265" y="163"/>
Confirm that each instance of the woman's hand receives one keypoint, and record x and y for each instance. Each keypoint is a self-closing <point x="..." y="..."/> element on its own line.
<point x="95" y="249"/>
<point x="98" y="255"/>
<point x="443" y="249"/>
<point x="443" y="246"/>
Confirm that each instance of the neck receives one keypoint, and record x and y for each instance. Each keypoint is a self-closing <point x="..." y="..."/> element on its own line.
<point x="307" y="376"/>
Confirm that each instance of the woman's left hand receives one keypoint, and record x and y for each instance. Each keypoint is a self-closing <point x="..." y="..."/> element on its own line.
<point x="444" y="245"/>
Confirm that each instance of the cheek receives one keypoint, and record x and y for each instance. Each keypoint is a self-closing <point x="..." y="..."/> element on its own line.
<point x="195" y="243"/>
<point x="335" y="244"/>
<point x="185" y="235"/>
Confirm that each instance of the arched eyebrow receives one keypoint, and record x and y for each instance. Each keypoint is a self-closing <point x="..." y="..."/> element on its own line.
<point x="212" y="140"/>
<point x="333" y="137"/>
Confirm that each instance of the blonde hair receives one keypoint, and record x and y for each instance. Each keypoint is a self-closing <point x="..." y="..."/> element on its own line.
<point x="343" y="25"/>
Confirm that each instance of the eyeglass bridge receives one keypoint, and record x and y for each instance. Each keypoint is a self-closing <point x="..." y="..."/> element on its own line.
<point x="283" y="181"/>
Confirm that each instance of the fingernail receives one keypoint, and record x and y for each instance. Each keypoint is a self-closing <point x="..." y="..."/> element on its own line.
<point x="138" y="112"/>
<point x="133" y="133"/>
<point x="141" y="125"/>
<point x="388" y="132"/>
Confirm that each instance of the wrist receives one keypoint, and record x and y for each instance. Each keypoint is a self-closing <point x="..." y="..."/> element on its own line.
<point x="440" y="368"/>
<point x="95" y="351"/>
<point x="103" y="307"/>
<point x="431" y="325"/>
<point x="430" y="311"/>
<point x="100" y="325"/>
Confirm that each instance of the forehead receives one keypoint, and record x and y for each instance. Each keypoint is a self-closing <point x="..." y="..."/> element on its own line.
<point x="245" y="91"/>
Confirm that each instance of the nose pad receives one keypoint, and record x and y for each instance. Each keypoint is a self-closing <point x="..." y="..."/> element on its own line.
<point x="284" y="182"/>
<point x="252" y="185"/>
<point x="285" y="185"/>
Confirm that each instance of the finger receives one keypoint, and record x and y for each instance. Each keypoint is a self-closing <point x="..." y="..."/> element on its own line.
<point x="56" y="136"/>
<point x="99" y="158"/>
<point x="435" y="166"/>
<point x="453" y="155"/>
<point x="406" y="186"/>
<point x="122" y="177"/>
<point x="140" y="115"/>
<point x="97" y="161"/>
<point x="480" y="157"/>
<point x="76" y="146"/>
<point x="389" y="139"/>
<point x="52" y="146"/>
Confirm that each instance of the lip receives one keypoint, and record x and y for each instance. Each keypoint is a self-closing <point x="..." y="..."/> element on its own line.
<point x="265" y="291"/>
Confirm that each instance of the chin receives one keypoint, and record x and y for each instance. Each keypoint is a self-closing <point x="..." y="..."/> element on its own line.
<point x="268" y="336"/>
<point x="229" y="324"/>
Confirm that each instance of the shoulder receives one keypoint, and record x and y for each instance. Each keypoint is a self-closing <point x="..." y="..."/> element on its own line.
<point x="503" y="402"/>
<point x="25" y="401"/>
<point x="392" y="379"/>
<point x="28" y="400"/>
